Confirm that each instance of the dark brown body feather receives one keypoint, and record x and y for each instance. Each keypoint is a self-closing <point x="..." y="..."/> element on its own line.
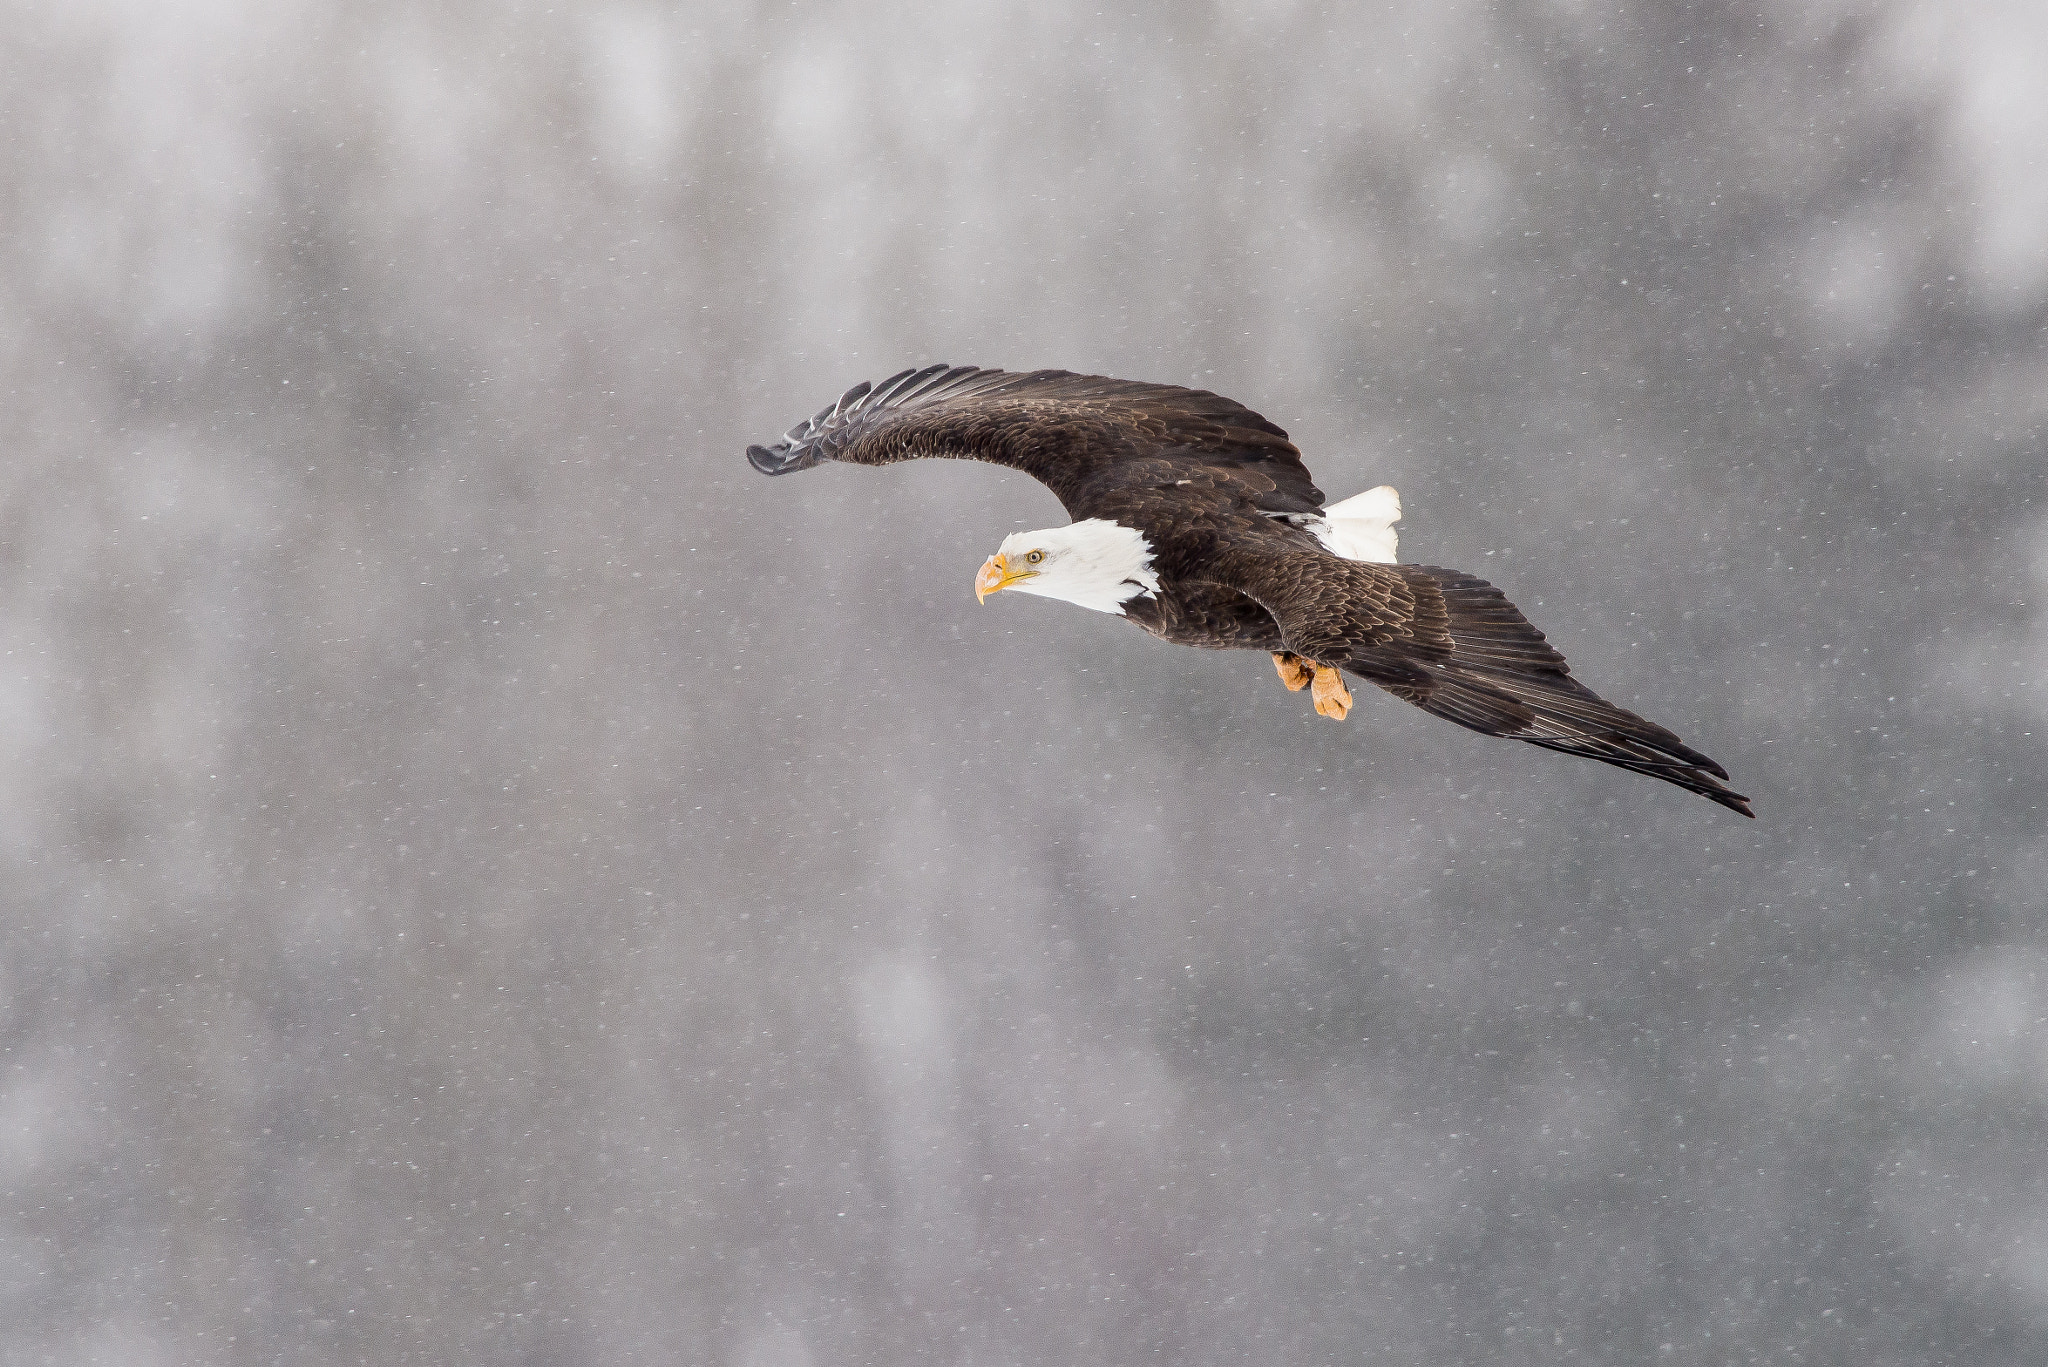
<point x="1206" y="616"/>
<point x="1216" y="490"/>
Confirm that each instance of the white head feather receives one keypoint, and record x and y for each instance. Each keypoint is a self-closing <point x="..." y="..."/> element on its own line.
<point x="1097" y="564"/>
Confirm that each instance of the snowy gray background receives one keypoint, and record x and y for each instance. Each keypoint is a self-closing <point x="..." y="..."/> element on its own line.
<point x="489" y="878"/>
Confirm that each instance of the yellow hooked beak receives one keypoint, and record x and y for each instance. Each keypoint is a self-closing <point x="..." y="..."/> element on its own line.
<point x="997" y="575"/>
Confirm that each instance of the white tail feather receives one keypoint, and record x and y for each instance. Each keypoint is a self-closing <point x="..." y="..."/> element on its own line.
<point x="1362" y="526"/>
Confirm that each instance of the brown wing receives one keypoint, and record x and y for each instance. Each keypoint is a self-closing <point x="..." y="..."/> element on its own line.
<point x="1456" y="647"/>
<point x="1083" y="436"/>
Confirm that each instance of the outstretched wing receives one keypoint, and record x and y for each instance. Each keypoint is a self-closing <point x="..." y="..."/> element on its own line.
<point x="1083" y="436"/>
<point x="1456" y="647"/>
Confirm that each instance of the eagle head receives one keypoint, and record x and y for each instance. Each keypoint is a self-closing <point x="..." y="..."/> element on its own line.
<point x="1096" y="564"/>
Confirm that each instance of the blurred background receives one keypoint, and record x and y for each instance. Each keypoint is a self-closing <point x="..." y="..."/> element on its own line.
<point x="489" y="878"/>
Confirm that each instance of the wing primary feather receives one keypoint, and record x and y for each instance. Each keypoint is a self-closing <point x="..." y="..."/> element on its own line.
<point x="941" y="385"/>
<point x="917" y="383"/>
<point x="882" y="393"/>
<point x="851" y="399"/>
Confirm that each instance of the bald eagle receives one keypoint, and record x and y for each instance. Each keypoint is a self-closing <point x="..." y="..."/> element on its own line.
<point x="1195" y="518"/>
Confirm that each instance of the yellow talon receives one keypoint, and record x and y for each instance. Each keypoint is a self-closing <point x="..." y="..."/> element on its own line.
<point x="1294" y="671"/>
<point x="1333" y="699"/>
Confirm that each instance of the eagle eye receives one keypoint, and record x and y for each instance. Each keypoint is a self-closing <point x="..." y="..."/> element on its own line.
<point x="1034" y="557"/>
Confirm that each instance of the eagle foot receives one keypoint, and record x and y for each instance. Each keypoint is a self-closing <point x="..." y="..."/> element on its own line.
<point x="1333" y="699"/>
<point x="1295" y="672"/>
